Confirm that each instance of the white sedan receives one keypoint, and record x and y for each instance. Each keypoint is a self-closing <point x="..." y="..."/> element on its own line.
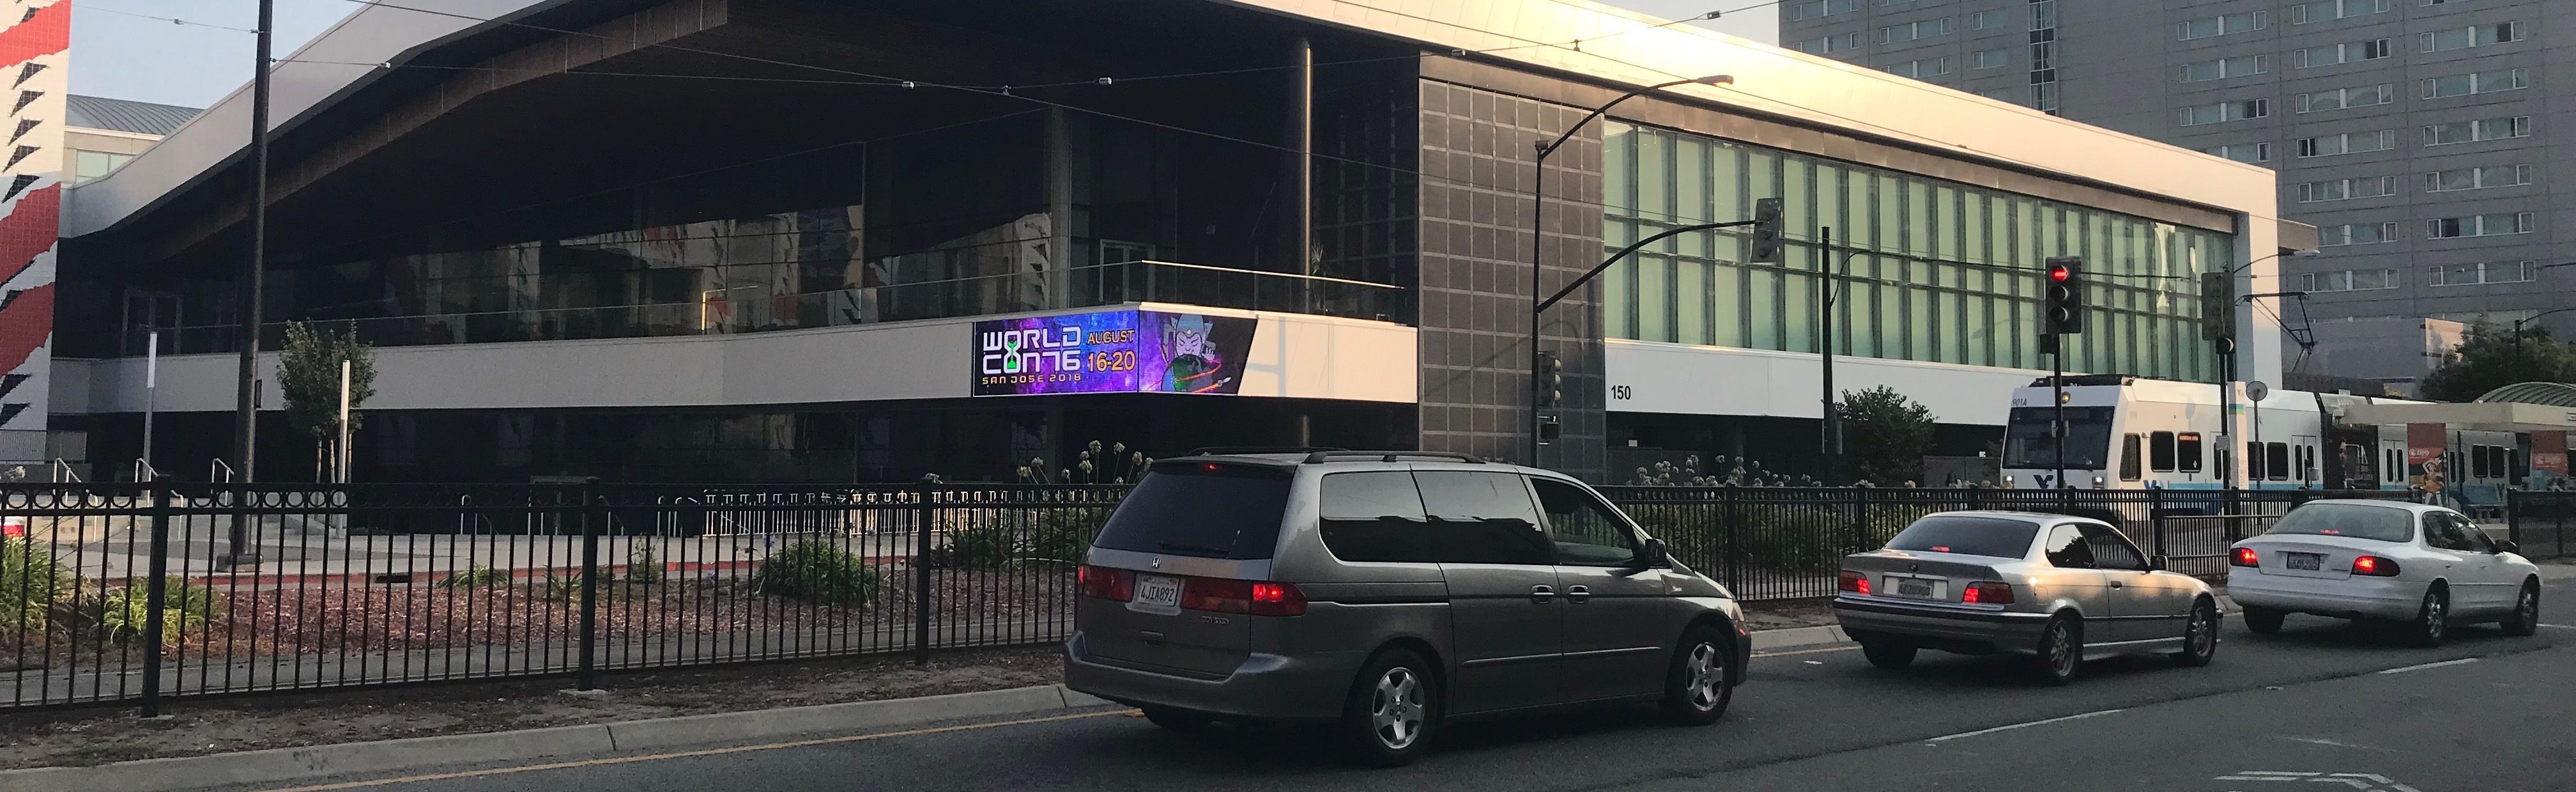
<point x="2362" y="559"/>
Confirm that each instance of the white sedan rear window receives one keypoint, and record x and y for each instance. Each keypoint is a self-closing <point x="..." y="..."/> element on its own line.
<point x="2355" y="520"/>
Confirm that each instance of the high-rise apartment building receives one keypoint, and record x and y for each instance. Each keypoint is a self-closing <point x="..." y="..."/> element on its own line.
<point x="2419" y="136"/>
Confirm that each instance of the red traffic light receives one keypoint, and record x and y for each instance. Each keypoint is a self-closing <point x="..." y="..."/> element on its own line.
<point x="2059" y="274"/>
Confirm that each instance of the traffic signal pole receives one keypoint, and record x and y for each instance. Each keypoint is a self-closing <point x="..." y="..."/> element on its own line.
<point x="2063" y="316"/>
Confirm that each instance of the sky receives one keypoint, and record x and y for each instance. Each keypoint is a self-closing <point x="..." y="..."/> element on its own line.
<point x="118" y="52"/>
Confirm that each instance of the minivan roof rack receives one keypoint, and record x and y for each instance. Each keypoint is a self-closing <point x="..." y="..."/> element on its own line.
<point x="1321" y="457"/>
<point x="1234" y="450"/>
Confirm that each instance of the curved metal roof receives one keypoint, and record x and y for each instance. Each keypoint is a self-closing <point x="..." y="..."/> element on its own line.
<point x="2554" y="394"/>
<point x="124" y="115"/>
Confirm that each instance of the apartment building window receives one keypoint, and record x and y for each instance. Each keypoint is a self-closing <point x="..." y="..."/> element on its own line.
<point x="1899" y="34"/>
<point x="2043" y="56"/>
<point x="1992" y="59"/>
<point x="1829" y="44"/>
<point x="2498" y="224"/>
<point x="2223" y="112"/>
<point x="2356" y="234"/>
<point x="2458" y="179"/>
<point x="2472" y="36"/>
<point x="2484" y="272"/>
<point x="2224" y="68"/>
<point x="2475" y="83"/>
<point x="2348" y="143"/>
<point x="2347" y="189"/>
<point x="1817" y="9"/>
<point x="1927" y="67"/>
<point x="1986" y="20"/>
<point x="2325" y="10"/>
<point x="2346" y="98"/>
<point x="2255" y="153"/>
<point x="2228" y="24"/>
<point x="2476" y="131"/>
<point x="2348" y="52"/>
<point x="2352" y="280"/>
<point x="1997" y="94"/>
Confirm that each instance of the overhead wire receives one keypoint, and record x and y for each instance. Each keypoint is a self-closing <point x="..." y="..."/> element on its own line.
<point x="83" y="6"/>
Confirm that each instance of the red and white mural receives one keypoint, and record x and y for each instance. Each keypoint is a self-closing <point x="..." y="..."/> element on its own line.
<point x="35" y="46"/>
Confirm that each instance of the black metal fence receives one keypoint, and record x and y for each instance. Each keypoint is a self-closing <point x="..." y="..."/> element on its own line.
<point x="119" y="593"/>
<point x="2542" y="522"/>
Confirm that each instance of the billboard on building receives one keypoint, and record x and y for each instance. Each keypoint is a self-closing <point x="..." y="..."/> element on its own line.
<point x="1125" y="351"/>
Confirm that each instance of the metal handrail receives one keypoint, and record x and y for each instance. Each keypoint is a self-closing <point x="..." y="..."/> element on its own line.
<point x="219" y="472"/>
<point x="63" y="473"/>
<point x="144" y="472"/>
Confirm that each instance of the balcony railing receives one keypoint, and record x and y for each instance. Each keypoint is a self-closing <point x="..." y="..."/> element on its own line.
<point x="752" y="308"/>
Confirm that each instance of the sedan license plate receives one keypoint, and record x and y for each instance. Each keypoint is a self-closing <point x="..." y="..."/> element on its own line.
<point x="1156" y="594"/>
<point x="2311" y="562"/>
<point x="1917" y="588"/>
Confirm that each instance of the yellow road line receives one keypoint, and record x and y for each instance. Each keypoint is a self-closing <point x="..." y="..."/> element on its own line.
<point x="1808" y="651"/>
<point x="684" y="754"/>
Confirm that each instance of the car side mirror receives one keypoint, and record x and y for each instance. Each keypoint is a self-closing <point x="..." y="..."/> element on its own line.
<point x="2507" y="546"/>
<point x="2156" y="563"/>
<point x="1653" y="554"/>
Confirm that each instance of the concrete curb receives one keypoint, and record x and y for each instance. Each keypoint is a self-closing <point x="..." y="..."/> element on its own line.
<point x="1767" y="640"/>
<point x="304" y="764"/>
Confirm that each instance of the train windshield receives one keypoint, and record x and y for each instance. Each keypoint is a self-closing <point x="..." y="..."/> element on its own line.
<point x="2088" y="438"/>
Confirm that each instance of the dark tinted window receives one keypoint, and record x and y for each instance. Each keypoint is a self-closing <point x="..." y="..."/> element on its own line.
<point x="2066" y="548"/>
<point x="2110" y="549"/>
<point x="1190" y="509"/>
<point x="1459" y="518"/>
<point x="2362" y="521"/>
<point x="2276" y="461"/>
<point x="2187" y="451"/>
<point x="2129" y="458"/>
<point x="1980" y="536"/>
<point x="1586" y="531"/>
<point x="2160" y="452"/>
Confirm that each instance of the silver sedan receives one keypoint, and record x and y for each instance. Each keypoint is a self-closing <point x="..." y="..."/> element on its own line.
<point x="2060" y="590"/>
<point x="2427" y="566"/>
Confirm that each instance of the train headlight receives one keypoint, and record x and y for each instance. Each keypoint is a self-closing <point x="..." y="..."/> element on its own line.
<point x="2097" y="482"/>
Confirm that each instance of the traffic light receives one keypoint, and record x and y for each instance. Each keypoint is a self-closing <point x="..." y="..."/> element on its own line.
<point x="2217" y="305"/>
<point x="1551" y="379"/>
<point x="1766" y="231"/>
<point x="2064" y="309"/>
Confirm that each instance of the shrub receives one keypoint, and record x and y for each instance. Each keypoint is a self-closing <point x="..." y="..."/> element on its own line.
<point x="125" y="613"/>
<point x="1056" y="536"/>
<point x="642" y="566"/>
<point x="477" y="576"/>
<point x="817" y="571"/>
<point x="31" y="580"/>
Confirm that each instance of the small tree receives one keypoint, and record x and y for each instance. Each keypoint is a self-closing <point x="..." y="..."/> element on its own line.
<point x="308" y="371"/>
<point x="2487" y="359"/>
<point x="1887" y="435"/>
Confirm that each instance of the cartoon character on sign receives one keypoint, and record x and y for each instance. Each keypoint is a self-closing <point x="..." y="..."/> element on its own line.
<point x="1194" y="356"/>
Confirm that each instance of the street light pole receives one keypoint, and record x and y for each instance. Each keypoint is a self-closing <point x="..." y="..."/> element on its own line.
<point x="1538" y="233"/>
<point x="242" y="552"/>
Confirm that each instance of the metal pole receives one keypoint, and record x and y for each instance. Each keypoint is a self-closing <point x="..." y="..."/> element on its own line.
<point x="921" y="539"/>
<point x="151" y="399"/>
<point x="156" y="594"/>
<point x="1301" y="167"/>
<point x="594" y="518"/>
<point x="254" y="282"/>
<point x="1832" y="423"/>
<point x="340" y="455"/>
<point x="1538" y="244"/>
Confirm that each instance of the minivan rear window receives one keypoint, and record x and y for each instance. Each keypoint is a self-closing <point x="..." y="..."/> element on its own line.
<point x="2359" y="521"/>
<point x="1994" y="537"/>
<point x="1204" y="510"/>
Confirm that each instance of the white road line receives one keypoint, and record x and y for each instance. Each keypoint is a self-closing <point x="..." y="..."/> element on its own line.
<point x="2404" y="669"/>
<point x="2560" y="626"/>
<point x="2024" y="725"/>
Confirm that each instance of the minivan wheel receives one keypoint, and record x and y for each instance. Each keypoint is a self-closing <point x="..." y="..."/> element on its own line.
<point x="1179" y="720"/>
<point x="1392" y="709"/>
<point x="1695" y="689"/>
<point x="2526" y="611"/>
<point x="2061" y="651"/>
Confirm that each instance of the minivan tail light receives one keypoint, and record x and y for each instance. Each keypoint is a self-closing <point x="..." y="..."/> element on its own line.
<point x="1987" y="593"/>
<point x="1116" y="585"/>
<point x="1855" y="583"/>
<point x="2374" y="566"/>
<point x="1243" y="596"/>
<point x="2245" y="557"/>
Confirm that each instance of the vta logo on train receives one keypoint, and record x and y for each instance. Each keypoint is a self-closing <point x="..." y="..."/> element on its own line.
<point x="1035" y="350"/>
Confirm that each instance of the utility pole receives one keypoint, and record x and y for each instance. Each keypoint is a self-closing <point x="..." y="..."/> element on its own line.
<point x="242" y="552"/>
<point x="151" y="399"/>
<point x="1825" y="283"/>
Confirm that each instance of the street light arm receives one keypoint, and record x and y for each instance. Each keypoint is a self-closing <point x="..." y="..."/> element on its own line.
<point x="1623" y="253"/>
<point x="1597" y="112"/>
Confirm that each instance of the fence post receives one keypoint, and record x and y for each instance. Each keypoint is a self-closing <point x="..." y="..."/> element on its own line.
<point x="1860" y="519"/>
<point x="2156" y="517"/>
<point x="1733" y="514"/>
<point x="594" y="517"/>
<point x="155" y="594"/>
<point x="2513" y="516"/>
<point x="1976" y="497"/>
<point x="921" y="569"/>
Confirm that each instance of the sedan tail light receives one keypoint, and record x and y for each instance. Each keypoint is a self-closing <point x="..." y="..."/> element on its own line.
<point x="1243" y="596"/>
<point x="2374" y="566"/>
<point x="2245" y="557"/>
<point x="1987" y="593"/>
<point x="1116" y="585"/>
<point x="1854" y="582"/>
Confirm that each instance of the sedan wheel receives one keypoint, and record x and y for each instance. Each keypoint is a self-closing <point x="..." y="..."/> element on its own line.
<point x="2263" y="620"/>
<point x="2526" y="611"/>
<point x="2061" y="650"/>
<point x="2432" y="620"/>
<point x="2199" y="637"/>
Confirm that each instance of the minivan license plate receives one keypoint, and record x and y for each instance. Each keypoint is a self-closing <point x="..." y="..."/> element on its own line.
<point x="1156" y="594"/>
<point x="2311" y="562"/>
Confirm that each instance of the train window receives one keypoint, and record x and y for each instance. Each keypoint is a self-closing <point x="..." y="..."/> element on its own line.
<point x="2187" y="452"/>
<point x="2394" y="470"/>
<point x="2129" y="458"/>
<point x="2253" y="461"/>
<point x="2478" y="462"/>
<point x="2276" y="461"/>
<point x="2160" y="451"/>
<point x="2308" y="466"/>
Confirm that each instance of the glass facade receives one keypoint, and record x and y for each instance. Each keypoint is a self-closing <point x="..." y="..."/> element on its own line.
<point x="1944" y="272"/>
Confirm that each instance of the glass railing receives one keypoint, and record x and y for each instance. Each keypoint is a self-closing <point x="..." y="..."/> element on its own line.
<point x="753" y="309"/>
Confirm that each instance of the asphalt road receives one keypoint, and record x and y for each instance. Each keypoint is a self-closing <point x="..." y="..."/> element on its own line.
<point x="2320" y="706"/>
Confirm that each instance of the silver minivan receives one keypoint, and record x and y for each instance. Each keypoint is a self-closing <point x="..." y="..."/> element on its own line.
<point x="1387" y="593"/>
